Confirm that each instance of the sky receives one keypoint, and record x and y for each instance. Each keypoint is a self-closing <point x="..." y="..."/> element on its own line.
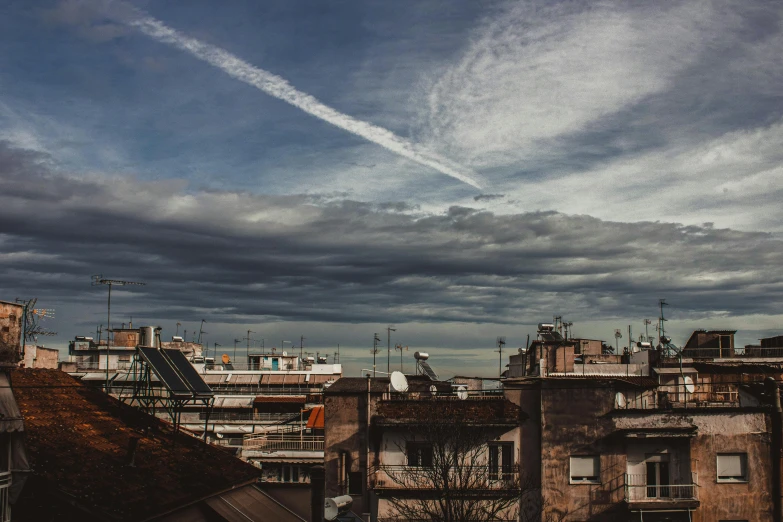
<point x="456" y="170"/>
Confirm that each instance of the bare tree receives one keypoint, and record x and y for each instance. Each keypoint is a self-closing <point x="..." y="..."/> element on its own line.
<point x="458" y="472"/>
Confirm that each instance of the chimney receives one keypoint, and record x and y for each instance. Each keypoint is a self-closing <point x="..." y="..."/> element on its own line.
<point x="317" y="485"/>
<point x="130" y="456"/>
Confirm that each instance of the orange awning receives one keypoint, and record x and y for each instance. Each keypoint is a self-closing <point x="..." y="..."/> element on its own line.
<point x="316" y="419"/>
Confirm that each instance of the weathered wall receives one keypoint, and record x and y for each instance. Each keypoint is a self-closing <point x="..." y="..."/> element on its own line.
<point x="40" y="357"/>
<point x="345" y="431"/>
<point x="575" y="421"/>
<point x="11" y="324"/>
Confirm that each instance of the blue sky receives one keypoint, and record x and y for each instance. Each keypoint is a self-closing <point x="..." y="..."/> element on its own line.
<point x="625" y="151"/>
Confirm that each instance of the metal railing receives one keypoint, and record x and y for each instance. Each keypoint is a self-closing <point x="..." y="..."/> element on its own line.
<point x="98" y="366"/>
<point x="638" y="490"/>
<point x="461" y="477"/>
<point x="719" y="395"/>
<point x="476" y="395"/>
<point x="5" y="486"/>
<point x="248" y="417"/>
<point x="283" y="442"/>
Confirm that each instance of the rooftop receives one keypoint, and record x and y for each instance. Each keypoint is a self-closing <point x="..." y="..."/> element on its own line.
<point x="77" y="440"/>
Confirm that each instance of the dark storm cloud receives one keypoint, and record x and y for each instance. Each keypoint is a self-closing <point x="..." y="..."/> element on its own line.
<point x="488" y="197"/>
<point x="241" y="257"/>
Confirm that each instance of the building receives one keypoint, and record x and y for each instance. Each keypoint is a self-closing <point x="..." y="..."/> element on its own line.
<point x="11" y="315"/>
<point x="94" y="458"/>
<point x="40" y="357"/>
<point x="653" y="435"/>
<point x="383" y="444"/>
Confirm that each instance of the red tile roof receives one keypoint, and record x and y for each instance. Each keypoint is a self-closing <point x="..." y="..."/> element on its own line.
<point x="77" y="440"/>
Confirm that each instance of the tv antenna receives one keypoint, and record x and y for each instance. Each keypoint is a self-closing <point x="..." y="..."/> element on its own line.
<point x="501" y="341"/>
<point x="567" y="326"/>
<point x="661" y="320"/>
<point x="647" y="322"/>
<point x="401" y="348"/>
<point x="389" y="330"/>
<point x="100" y="280"/>
<point x="375" y="341"/>
<point x="201" y="330"/>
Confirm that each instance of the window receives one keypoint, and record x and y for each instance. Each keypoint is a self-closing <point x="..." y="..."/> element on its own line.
<point x="419" y="454"/>
<point x="355" y="483"/>
<point x="501" y="460"/>
<point x="586" y="469"/>
<point x="732" y="467"/>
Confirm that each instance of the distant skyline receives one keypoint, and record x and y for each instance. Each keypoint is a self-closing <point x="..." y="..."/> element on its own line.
<point x="461" y="170"/>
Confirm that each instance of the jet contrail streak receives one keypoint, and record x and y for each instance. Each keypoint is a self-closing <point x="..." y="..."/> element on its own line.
<point x="278" y="87"/>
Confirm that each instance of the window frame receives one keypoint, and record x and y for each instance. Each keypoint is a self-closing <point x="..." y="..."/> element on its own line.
<point x="585" y="480"/>
<point x="419" y="454"/>
<point x="731" y="479"/>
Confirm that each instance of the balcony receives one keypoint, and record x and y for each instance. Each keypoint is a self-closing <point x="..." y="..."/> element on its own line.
<point x="639" y="494"/>
<point x="478" y="479"/>
<point x="719" y="396"/>
<point x="5" y="486"/>
<point x="272" y="443"/>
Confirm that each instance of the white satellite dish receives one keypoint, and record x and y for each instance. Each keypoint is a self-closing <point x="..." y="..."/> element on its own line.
<point x="398" y="382"/>
<point x="462" y="393"/>
<point x="285" y="354"/>
<point x="433" y="389"/>
<point x="689" y="386"/>
<point x="333" y="506"/>
<point x="620" y="400"/>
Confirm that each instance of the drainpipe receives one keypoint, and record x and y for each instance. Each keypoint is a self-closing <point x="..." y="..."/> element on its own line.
<point x="367" y="457"/>
<point x="317" y="484"/>
<point x="777" y="446"/>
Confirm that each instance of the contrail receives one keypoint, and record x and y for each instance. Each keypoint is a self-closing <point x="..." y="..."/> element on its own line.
<point x="278" y="87"/>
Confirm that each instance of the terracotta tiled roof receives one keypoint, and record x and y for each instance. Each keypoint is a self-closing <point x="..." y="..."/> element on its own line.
<point x="77" y="440"/>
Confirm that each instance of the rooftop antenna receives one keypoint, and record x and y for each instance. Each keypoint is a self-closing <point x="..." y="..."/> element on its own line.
<point x="337" y="355"/>
<point x="248" y="341"/>
<point x="661" y="320"/>
<point x="401" y="348"/>
<point x="567" y="327"/>
<point x="647" y="337"/>
<point x="501" y="341"/>
<point x="389" y="330"/>
<point x="200" y="330"/>
<point x="618" y="334"/>
<point x="375" y="341"/>
<point x="100" y="280"/>
<point x="301" y="345"/>
<point x="178" y="325"/>
<point x="235" y="347"/>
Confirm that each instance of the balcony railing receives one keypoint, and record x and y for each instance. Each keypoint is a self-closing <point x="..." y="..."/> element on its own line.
<point x="98" y="366"/>
<point x="282" y="443"/>
<point x="5" y="486"/>
<point x="462" y="477"/>
<point x="248" y="417"/>
<point x="666" y="397"/>
<point x="637" y="489"/>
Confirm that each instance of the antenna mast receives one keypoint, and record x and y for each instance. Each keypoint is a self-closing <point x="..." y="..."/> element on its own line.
<point x="501" y="341"/>
<point x="375" y="341"/>
<point x="661" y="320"/>
<point x="100" y="280"/>
<point x="389" y="330"/>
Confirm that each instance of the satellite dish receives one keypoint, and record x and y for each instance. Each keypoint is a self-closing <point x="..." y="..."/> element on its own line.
<point x="398" y="382"/>
<point x="462" y="393"/>
<point x="334" y="506"/>
<point x="620" y="400"/>
<point x="689" y="386"/>
<point x="226" y="359"/>
<point x="285" y="354"/>
<point x="433" y="389"/>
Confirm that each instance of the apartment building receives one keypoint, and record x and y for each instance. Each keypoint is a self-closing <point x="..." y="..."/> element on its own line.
<point x="652" y="434"/>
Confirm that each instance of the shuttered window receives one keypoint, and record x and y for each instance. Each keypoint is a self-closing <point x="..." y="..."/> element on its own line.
<point x="732" y="467"/>
<point x="586" y="469"/>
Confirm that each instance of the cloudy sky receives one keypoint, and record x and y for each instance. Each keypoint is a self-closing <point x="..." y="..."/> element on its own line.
<point x="458" y="169"/>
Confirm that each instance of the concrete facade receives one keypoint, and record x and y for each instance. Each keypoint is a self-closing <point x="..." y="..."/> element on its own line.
<point x="11" y="324"/>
